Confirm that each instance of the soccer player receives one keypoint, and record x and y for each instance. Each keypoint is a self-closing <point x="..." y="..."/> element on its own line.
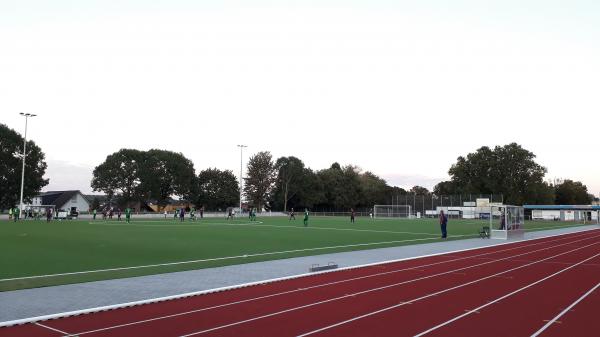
<point x="94" y="213"/>
<point x="16" y="214"/>
<point x="10" y="213"/>
<point x="230" y="214"/>
<point x="443" y="224"/>
<point x="181" y="214"/>
<point x="176" y="212"/>
<point x="119" y="214"/>
<point x="201" y="212"/>
<point x="193" y="214"/>
<point x="305" y="217"/>
<point x="352" y="215"/>
<point x="127" y="214"/>
<point x="253" y="214"/>
<point x="292" y="214"/>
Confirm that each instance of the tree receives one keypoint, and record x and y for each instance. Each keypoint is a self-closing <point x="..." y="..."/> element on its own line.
<point x="119" y="174"/>
<point x="374" y="190"/>
<point x="444" y="188"/>
<point x="217" y="189"/>
<point x="419" y="190"/>
<point x="571" y="192"/>
<point x="260" y="179"/>
<point x="341" y="186"/>
<point x="165" y="174"/>
<point x="133" y="175"/>
<point x="510" y="170"/>
<point x="289" y="180"/>
<point x="11" y="148"/>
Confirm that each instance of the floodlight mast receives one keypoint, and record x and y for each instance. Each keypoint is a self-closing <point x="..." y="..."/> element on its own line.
<point x="26" y="115"/>
<point x="241" y="161"/>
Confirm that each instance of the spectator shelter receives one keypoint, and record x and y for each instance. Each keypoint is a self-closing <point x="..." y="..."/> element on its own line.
<point x="583" y="213"/>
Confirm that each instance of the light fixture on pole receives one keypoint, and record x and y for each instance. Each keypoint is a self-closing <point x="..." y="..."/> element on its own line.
<point x="241" y="151"/>
<point x="26" y="115"/>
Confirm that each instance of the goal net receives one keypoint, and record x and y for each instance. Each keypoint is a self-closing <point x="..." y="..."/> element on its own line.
<point x="391" y="211"/>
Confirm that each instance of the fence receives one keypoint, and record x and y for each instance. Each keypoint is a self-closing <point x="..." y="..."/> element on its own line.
<point x="418" y="203"/>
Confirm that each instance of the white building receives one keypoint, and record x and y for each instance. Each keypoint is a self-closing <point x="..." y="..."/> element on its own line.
<point x="70" y="201"/>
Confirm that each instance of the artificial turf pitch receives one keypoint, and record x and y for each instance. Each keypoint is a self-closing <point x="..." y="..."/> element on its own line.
<point x="34" y="252"/>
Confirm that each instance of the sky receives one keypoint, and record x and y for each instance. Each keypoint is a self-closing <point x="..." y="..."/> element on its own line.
<point x="398" y="88"/>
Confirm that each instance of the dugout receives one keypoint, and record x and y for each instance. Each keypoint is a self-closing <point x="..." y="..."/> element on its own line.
<point x="507" y="222"/>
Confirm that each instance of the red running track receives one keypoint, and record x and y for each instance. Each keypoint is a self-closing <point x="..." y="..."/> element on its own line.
<point x="544" y="287"/>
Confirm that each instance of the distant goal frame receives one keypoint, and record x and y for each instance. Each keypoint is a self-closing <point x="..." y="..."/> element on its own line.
<point x="406" y="212"/>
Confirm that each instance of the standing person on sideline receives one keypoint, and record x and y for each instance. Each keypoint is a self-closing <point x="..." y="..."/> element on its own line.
<point x="443" y="224"/>
<point x="181" y="214"/>
<point x="229" y="214"/>
<point x="201" y="212"/>
<point x="305" y="217"/>
<point x="292" y="214"/>
<point x="94" y="214"/>
<point x="165" y="214"/>
<point x="49" y="214"/>
<point x="175" y="214"/>
<point x="352" y="214"/>
<point x="128" y="215"/>
<point x="119" y="214"/>
<point x="10" y="213"/>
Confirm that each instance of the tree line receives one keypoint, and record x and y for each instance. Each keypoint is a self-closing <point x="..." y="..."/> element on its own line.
<point x="287" y="182"/>
<point x="130" y="175"/>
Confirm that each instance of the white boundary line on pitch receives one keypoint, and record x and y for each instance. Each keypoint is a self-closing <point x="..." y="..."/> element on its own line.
<point x="248" y="284"/>
<point x="542" y="329"/>
<point x="453" y="288"/>
<point x="222" y="258"/>
<point x="258" y="224"/>
<point x="314" y="287"/>
<point x="387" y="287"/>
<point x="507" y="295"/>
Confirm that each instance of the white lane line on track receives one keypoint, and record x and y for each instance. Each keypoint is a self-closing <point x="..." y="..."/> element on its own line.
<point x="555" y="319"/>
<point x="386" y="287"/>
<point x="507" y="295"/>
<point x="323" y="285"/>
<point x="219" y="259"/>
<point x="444" y="291"/>
<point x="50" y="328"/>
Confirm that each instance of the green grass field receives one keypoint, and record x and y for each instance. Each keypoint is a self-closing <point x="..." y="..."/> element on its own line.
<point x="34" y="252"/>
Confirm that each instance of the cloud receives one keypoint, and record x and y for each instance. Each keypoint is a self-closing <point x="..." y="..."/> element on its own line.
<point x="65" y="175"/>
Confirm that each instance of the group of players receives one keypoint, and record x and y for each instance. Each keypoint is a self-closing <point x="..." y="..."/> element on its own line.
<point x="15" y="214"/>
<point x="109" y="213"/>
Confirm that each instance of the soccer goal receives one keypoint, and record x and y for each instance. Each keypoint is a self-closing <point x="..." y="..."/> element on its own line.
<point x="391" y="211"/>
<point x="507" y="222"/>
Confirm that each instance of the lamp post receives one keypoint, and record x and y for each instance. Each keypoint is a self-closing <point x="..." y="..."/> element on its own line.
<point x="26" y="115"/>
<point x="241" y="151"/>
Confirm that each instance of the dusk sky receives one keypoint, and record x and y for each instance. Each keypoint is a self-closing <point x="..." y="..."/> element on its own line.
<point x="399" y="88"/>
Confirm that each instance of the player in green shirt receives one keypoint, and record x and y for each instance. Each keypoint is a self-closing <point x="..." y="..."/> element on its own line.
<point x="193" y="214"/>
<point x="128" y="215"/>
<point x="16" y="214"/>
<point x="305" y="217"/>
<point x="253" y="214"/>
<point x="94" y="213"/>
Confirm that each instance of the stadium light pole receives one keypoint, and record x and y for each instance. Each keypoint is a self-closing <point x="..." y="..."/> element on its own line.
<point x="241" y="161"/>
<point x="26" y="115"/>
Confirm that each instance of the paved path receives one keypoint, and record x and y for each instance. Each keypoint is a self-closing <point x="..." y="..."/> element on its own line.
<point x="26" y="303"/>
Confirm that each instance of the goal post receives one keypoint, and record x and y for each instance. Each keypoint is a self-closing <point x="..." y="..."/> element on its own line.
<point x="507" y="222"/>
<point x="391" y="211"/>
